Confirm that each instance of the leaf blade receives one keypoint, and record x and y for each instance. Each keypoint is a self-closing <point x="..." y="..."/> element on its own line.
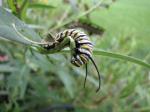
<point x="6" y="24"/>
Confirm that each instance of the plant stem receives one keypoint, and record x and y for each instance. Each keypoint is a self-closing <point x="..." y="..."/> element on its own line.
<point x="122" y="57"/>
<point x="99" y="52"/>
<point x="117" y="56"/>
<point x="23" y="5"/>
<point x="17" y="7"/>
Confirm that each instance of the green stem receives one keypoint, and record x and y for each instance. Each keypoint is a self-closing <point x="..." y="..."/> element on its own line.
<point x="23" y="5"/>
<point x="122" y="57"/>
<point x="103" y="53"/>
<point x="17" y="9"/>
<point x="117" y="56"/>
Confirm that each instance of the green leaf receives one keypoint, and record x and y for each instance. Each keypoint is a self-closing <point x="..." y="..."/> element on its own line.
<point x="11" y="5"/>
<point x="38" y="5"/>
<point x="10" y="34"/>
<point x="23" y="9"/>
<point x="128" y="90"/>
<point x="7" y="30"/>
<point x="7" y="68"/>
<point x="18" y="81"/>
<point x="23" y="82"/>
<point x="40" y="84"/>
<point x="67" y="80"/>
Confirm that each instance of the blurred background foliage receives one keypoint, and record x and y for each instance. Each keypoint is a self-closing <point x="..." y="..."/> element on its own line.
<point x="32" y="82"/>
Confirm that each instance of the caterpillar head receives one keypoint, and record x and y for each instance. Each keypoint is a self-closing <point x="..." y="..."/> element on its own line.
<point x="50" y="42"/>
<point x="50" y="46"/>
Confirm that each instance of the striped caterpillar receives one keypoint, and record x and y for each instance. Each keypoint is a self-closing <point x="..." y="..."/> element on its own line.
<point x="80" y="45"/>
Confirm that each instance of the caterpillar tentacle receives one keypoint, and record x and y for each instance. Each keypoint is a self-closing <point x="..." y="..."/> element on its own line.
<point x="85" y="74"/>
<point x="99" y="76"/>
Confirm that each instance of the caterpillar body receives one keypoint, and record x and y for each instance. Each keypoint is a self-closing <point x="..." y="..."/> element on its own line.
<point x="82" y="52"/>
<point x="83" y="46"/>
<point x="79" y="43"/>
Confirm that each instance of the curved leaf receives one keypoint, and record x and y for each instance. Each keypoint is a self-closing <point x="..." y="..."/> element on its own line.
<point x="7" y="30"/>
<point x="10" y="34"/>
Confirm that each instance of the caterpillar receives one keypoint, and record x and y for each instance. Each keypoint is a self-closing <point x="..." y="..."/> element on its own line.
<point x="79" y="43"/>
<point x="81" y="53"/>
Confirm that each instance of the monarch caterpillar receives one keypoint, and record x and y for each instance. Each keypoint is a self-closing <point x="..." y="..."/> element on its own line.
<point x="80" y="45"/>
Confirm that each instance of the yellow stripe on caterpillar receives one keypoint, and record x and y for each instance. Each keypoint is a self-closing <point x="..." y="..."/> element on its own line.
<point x="83" y="58"/>
<point x="86" y="46"/>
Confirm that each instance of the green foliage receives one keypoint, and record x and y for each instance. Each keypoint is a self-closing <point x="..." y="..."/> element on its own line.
<point x="42" y="6"/>
<point x="6" y="25"/>
<point x="30" y="81"/>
